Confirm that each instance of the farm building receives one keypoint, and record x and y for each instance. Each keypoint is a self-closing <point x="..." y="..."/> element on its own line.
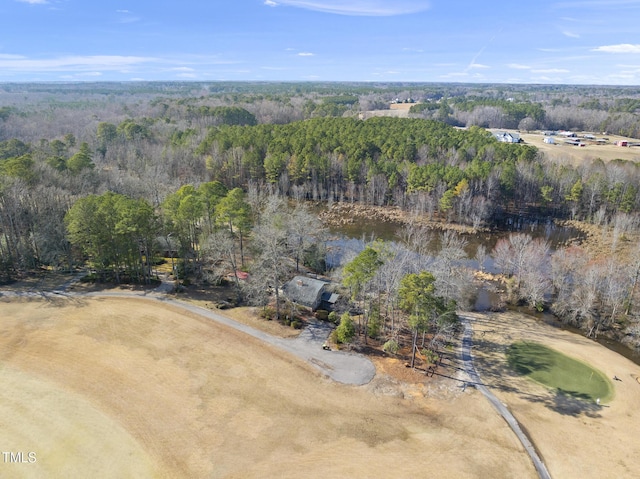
<point x="568" y="134"/>
<point x="309" y="292"/>
<point x="622" y="143"/>
<point x="549" y="140"/>
<point x="507" y="137"/>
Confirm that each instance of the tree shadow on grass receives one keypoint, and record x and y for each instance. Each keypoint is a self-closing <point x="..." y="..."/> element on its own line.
<point x="571" y="403"/>
<point x="497" y="374"/>
<point x="527" y="358"/>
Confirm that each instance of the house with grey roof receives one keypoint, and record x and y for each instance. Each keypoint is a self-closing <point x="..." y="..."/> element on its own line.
<point x="309" y="292"/>
<point x="507" y="137"/>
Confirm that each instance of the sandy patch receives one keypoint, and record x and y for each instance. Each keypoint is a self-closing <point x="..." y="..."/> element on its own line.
<point x="176" y="395"/>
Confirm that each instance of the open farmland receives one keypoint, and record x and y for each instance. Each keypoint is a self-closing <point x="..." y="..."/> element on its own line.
<point x="575" y="154"/>
<point x="135" y="388"/>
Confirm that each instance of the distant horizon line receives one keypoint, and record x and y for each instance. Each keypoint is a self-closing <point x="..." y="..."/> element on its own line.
<point x="367" y="82"/>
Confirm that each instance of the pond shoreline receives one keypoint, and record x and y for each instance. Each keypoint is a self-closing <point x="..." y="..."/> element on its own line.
<point x="597" y="240"/>
<point x="342" y="214"/>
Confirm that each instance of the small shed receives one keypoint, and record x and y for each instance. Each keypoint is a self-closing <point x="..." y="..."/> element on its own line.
<point x="241" y="275"/>
<point x="305" y="291"/>
<point x="549" y="140"/>
<point x="568" y="134"/>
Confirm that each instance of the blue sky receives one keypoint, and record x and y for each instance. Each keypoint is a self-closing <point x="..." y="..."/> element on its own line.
<point x="573" y="42"/>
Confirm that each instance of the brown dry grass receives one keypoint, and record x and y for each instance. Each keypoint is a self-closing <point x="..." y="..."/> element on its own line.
<point x="401" y="106"/>
<point x="136" y="388"/>
<point x="577" y="439"/>
<point x="577" y="154"/>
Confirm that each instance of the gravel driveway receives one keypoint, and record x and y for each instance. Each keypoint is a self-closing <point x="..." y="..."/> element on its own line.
<point x="343" y="367"/>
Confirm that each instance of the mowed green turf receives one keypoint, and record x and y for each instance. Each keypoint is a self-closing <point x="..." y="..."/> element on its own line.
<point x="555" y="370"/>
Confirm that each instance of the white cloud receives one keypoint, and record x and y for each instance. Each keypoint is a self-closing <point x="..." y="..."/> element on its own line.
<point x="621" y="48"/>
<point x="371" y="8"/>
<point x="550" y="71"/>
<point x="182" y="69"/>
<point x="479" y="66"/>
<point x="570" y="34"/>
<point x="598" y="4"/>
<point x="518" y="66"/>
<point x="122" y="11"/>
<point x="306" y="54"/>
<point x="34" y="2"/>
<point x="455" y="75"/>
<point x="129" y="20"/>
<point x="71" y="63"/>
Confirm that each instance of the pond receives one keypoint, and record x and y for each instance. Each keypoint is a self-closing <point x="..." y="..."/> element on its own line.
<point x="351" y="239"/>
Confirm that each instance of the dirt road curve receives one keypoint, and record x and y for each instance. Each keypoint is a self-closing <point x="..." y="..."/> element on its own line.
<point x="467" y="358"/>
<point x="340" y="366"/>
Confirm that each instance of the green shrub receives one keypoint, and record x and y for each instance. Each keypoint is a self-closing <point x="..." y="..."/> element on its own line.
<point x="391" y="347"/>
<point x="346" y="330"/>
<point x="375" y="323"/>
<point x="268" y="313"/>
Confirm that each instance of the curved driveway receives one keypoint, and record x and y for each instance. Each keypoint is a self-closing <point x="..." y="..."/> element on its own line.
<point x="467" y="358"/>
<point x="340" y="366"/>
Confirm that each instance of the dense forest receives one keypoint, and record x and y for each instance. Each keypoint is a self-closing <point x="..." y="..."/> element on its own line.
<point x="114" y="175"/>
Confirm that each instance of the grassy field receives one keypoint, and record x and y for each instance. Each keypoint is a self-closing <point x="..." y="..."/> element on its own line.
<point x="558" y="371"/>
<point x="576" y="437"/>
<point x="114" y="388"/>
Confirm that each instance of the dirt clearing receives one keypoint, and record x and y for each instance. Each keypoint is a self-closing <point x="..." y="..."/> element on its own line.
<point x="130" y="388"/>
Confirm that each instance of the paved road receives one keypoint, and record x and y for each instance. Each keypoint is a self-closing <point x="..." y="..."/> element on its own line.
<point x="340" y="366"/>
<point x="467" y="358"/>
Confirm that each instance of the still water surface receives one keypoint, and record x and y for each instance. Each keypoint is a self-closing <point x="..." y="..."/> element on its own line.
<point x="350" y="239"/>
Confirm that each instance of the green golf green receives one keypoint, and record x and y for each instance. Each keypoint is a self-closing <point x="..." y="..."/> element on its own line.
<point x="557" y="371"/>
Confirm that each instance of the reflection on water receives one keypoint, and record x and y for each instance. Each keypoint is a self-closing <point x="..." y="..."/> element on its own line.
<point x="348" y="240"/>
<point x="351" y="238"/>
